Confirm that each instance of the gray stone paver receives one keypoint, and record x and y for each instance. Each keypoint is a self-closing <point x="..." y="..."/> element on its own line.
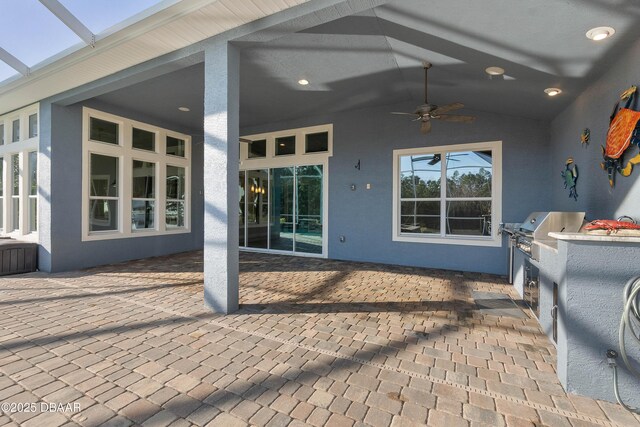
<point x="134" y="345"/>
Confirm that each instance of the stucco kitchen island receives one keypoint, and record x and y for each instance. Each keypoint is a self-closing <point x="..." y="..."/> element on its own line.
<point x="581" y="281"/>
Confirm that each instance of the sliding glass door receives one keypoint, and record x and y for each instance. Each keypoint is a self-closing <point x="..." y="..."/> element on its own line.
<point x="308" y="234"/>
<point x="292" y="199"/>
<point x="282" y="205"/>
<point x="257" y="199"/>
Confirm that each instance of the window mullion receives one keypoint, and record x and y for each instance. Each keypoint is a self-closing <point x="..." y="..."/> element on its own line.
<point x="161" y="192"/>
<point x="443" y="195"/>
<point x="469" y="199"/>
<point x="125" y="192"/>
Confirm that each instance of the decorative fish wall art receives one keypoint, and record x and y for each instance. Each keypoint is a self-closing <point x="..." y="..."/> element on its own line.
<point x="570" y="176"/>
<point x="624" y="132"/>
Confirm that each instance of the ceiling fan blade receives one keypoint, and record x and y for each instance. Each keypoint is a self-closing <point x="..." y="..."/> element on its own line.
<point x="447" y="108"/>
<point x="436" y="158"/>
<point x="425" y="127"/>
<point x="455" y="118"/>
<point x="403" y="114"/>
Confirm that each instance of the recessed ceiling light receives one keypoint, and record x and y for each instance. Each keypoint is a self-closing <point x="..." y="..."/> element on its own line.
<point x="494" y="71"/>
<point x="552" y="91"/>
<point x="600" y="33"/>
<point x="185" y="109"/>
<point x="303" y="82"/>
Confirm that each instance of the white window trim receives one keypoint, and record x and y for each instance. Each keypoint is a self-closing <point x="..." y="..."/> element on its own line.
<point x="495" y="239"/>
<point x="125" y="153"/>
<point x="300" y="158"/>
<point x="22" y="148"/>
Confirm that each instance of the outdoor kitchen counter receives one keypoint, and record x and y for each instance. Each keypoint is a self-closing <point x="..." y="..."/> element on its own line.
<point x="620" y="237"/>
<point x="585" y="277"/>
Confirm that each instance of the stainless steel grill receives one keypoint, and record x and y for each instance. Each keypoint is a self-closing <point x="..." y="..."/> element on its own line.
<point x="538" y="225"/>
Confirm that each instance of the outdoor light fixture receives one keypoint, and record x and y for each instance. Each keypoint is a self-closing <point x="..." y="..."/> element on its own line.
<point x="303" y="82"/>
<point x="494" y="71"/>
<point x="185" y="109"/>
<point x="600" y="33"/>
<point x="552" y="91"/>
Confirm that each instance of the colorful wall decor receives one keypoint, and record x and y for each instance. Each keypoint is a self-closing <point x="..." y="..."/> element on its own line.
<point x="570" y="176"/>
<point x="585" y="137"/>
<point x="623" y="132"/>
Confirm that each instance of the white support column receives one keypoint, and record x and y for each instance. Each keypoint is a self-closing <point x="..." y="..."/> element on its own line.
<point x="221" y="130"/>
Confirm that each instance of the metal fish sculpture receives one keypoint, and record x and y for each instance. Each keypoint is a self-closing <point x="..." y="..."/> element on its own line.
<point x="570" y="175"/>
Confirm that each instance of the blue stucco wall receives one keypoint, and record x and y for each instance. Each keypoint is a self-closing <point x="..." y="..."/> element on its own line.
<point x="593" y="275"/>
<point x="67" y="250"/>
<point x="364" y="217"/>
<point x="591" y="110"/>
<point x="594" y="294"/>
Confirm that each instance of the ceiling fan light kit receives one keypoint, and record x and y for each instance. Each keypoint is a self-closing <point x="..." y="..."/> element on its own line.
<point x="426" y="112"/>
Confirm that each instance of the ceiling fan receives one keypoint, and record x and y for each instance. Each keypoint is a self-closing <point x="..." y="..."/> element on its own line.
<point x="435" y="158"/>
<point x="425" y="112"/>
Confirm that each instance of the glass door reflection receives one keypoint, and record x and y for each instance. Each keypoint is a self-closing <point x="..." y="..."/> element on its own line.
<point x="309" y="219"/>
<point x="282" y="208"/>
<point x="241" y="214"/>
<point x="257" y="208"/>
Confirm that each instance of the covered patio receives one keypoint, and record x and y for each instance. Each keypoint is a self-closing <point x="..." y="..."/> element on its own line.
<point x="315" y="342"/>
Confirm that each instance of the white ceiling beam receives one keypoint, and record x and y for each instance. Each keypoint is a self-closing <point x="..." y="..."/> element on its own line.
<point x="69" y="19"/>
<point x="14" y="62"/>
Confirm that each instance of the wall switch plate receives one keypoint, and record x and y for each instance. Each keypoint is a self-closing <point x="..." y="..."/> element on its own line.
<point x="368" y="186"/>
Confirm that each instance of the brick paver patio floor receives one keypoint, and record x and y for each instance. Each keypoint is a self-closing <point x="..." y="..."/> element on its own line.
<point x="316" y="342"/>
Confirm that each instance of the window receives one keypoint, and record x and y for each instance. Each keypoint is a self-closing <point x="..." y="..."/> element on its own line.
<point x="317" y="142"/>
<point x="292" y="146"/>
<point x="15" y="130"/>
<point x="175" y="146"/>
<point x="144" y="140"/>
<point x="258" y="149"/>
<point x="15" y="192"/>
<point x="448" y="194"/>
<point x="175" y="207"/>
<point x="33" y="191"/>
<point x="104" y="131"/>
<point x="33" y="125"/>
<point x="103" y="197"/>
<point x="138" y="183"/>
<point x="285" y="145"/>
<point x="143" y="202"/>
<point x="19" y="174"/>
